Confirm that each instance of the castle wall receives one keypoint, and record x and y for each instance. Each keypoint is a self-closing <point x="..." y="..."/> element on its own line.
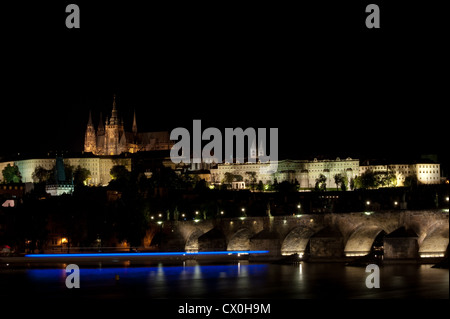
<point x="27" y="167"/>
<point x="98" y="166"/>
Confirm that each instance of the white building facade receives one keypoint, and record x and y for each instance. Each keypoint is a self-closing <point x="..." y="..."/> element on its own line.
<point x="99" y="167"/>
<point x="303" y="172"/>
<point x="426" y="173"/>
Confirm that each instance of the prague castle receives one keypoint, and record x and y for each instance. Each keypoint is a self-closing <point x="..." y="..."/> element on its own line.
<point x="112" y="139"/>
<point x="103" y="145"/>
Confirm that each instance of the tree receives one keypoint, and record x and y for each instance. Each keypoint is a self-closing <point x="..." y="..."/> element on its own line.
<point x="80" y="175"/>
<point x="384" y="179"/>
<point x="68" y="172"/>
<point x="121" y="179"/>
<point x="41" y="175"/>
<point x="252" y="179"/>
<point x="321" y="183"/>
<point x="260" y="186"/>
<point x="341" y="181"/>
<point x="201" y="185"/>
<point x="119" y="172"/>
<point x="11" y="174"/>
<point x="274" y="186"/>
<point x="411" y="181"/>
<point x="167" y="178"/>
<point x="352" y="183"/>
<point x="366" y="180"/>
<point x="286" y="187"/>
<point x="230" y="177"/>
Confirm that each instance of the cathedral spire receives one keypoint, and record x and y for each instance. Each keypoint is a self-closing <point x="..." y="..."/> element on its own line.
<point x="134" y="129"/>
<point x="114" y="103"/>
<point x="101" y="127"/>
<point x="90" y="119"/>
<point x="114" y="120"/>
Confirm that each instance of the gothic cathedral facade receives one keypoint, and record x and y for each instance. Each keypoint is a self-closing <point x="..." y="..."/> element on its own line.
<point x="112" y="139"/>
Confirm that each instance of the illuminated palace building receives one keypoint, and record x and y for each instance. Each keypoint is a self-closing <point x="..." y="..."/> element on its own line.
<point x="302" y="171"/>
<point x="306" y="173"/>
<point x="112" y="139"/>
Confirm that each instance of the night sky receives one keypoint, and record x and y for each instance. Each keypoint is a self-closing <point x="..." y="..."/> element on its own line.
<point x="330" y="85"/>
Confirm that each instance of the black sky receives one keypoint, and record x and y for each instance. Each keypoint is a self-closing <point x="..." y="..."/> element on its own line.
<point x="330" y="85"/>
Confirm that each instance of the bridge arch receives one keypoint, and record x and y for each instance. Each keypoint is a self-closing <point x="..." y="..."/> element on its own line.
<point x="296" y="241"/>
<point x="192" y="240"/>
<point x="361" y="240"/>
<point x="240" y="240"/>
<point x="435" y="243"/>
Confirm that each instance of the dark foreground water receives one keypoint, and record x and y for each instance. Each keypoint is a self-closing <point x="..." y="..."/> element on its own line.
<point x="237" y="280"/>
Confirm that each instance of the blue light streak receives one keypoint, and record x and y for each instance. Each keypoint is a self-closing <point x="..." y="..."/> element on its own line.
<point x="230" y="252"/>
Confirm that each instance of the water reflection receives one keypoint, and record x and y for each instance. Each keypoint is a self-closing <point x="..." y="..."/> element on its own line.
<point x="238" y="280"/>
<point x="203" y="280"/>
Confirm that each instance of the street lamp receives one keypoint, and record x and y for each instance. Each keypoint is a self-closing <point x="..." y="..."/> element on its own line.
<point x="65" y="241"/>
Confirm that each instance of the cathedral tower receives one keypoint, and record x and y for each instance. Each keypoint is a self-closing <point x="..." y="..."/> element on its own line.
<point x="112" y="131"/>
<point x="134" y="129"/>
<point x="90" y="144"/>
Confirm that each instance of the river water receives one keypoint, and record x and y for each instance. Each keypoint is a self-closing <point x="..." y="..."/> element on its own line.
<point x="237" y="280"/>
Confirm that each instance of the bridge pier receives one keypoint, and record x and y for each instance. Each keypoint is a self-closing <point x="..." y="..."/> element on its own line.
<point x="327" y="245"/>
<point x="401" y="244"/>
<point x="266" y="240"/>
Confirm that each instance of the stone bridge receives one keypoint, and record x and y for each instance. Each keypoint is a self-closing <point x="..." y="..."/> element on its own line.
<point x="403" y="234"/>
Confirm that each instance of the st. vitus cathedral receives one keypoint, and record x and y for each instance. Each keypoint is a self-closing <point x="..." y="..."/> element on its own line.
<point x="112" y="139"/>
